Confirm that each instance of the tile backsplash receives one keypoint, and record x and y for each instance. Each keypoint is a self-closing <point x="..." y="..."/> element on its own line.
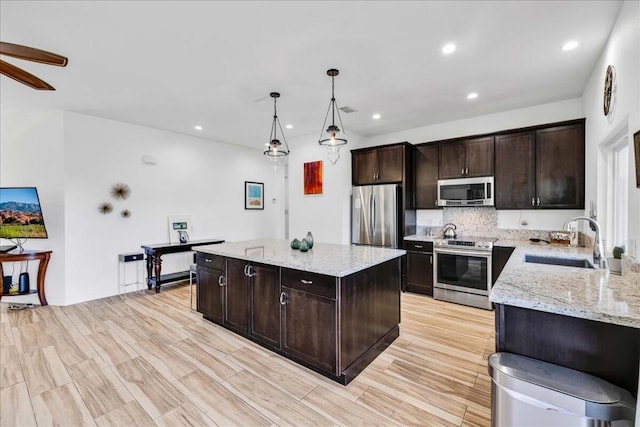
<point x="476" y="221"/>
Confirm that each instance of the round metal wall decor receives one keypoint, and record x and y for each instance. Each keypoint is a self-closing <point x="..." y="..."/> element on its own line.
<point x="609" y="81"/>
<point x="105" y="208"/>
<point x="120" y="191"/>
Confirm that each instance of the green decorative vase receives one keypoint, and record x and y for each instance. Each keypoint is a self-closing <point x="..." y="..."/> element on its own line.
<point x="309" y="239"/>
<point x="304" y="246"/>
<point x="295" y="244"/>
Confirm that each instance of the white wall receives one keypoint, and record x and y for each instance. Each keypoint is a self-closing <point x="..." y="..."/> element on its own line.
<point x="195" y="177"/>
<point x="32" y="155"/>
<point x="531" y="116"/>
<point x="326" y="215"/>
<point x="623" y="52"/>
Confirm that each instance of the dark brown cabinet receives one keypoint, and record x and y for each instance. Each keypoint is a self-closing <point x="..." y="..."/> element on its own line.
<point x="560" y="167"/>
<point x="310" y="328"/>
<point x="237" y="295"/>
<point x="466" y="158"/>
<point x="515" y="175"/>
<point x="379" y="165"/>
<point x="211" y="293"/>
<point x="541" y="168"/>
<point x="425" y="169"/>
<point x="419" y="267"/>
<point x="309" y="299"/>
<point x="211" y="281"/>
<point x="581" y="344"/>
<point x="264" y="289"/>
<point x="253" y="300"/>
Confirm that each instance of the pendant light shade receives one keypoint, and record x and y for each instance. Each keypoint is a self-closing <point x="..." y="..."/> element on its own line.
<point x="276" y="149"/>
<point x="332" y="135"/>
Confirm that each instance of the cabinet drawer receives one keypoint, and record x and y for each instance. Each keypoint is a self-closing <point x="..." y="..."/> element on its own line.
<point x="317" y="284"/>
<point x="210" y="261"/>
<point x="412" y="245"/>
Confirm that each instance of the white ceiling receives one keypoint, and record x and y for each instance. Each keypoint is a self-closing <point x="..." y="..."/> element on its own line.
<point x="172" y="65"/>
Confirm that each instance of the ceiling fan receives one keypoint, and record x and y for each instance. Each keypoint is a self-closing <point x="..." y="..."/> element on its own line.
<point x="29" y="54"/>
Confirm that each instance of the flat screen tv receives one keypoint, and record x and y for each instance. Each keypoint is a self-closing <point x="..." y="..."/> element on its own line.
<point x="21" y="214"/>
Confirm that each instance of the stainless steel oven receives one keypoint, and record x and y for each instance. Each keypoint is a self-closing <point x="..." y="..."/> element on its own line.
<point x="462" y="271"/>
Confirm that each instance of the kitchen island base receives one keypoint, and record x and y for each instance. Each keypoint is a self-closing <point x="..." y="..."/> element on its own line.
<point x="335" y="324"/>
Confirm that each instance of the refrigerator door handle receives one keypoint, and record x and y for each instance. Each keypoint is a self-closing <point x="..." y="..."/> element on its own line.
<point x="370" y="214"/>
<point x="373" y="220"/>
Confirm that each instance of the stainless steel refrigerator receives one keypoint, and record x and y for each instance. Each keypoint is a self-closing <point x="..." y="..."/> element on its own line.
<point x="375" y="215"/>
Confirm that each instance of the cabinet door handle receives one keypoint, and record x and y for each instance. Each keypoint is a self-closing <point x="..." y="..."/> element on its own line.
<point x="221" y="280"/>
<point x="208" y="260"/>
<point x="307" y="282"/>
<point x="245" y="270"/>
<point x="538" y="201"/>
<point x="431" y="259"/>
<point x="462" y="171"/>
<point x="533" y="201"/>
<point x="283" y="298"/>
<point x="466" y="171"/>
<point x="435" y="203"/>
<point x="251" y="272"/>
<point x="417" y="246"/>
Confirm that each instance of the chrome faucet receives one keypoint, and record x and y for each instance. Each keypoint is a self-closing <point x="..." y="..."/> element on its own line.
<point x="598" y="248"/>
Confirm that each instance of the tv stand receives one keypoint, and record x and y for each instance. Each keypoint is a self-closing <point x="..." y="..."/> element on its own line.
<point x="26" y="255"/>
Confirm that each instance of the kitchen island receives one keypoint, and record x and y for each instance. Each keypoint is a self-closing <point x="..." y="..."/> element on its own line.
<point x="582" y="318"/>
<point x="332" y="309"/>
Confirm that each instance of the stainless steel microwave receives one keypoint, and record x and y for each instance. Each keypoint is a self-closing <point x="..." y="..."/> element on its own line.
<point x="466" y="191"/>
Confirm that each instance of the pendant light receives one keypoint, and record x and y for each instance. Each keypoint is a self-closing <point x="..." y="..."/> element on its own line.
<point x="275" y="150"/>
<point x="335" y="137"/>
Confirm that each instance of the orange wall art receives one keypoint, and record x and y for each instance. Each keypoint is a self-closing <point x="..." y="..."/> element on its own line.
<point x="313" y="177"/>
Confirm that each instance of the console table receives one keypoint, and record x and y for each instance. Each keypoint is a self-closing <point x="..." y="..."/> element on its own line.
<point x="154" y="260"/>
<point x="17" y="256"/>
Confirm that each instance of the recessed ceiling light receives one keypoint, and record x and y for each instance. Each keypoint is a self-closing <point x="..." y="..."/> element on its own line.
<point x="570" y="45"/>
<point x="376" y="116"/>
<point x="289" y="126"/>
<point x="198" y="127"/>
<point x="472" y="95"/>
<point x="448" y="48"/>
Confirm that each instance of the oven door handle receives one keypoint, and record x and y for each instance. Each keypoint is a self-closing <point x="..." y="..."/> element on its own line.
<point x="465" y="252"/>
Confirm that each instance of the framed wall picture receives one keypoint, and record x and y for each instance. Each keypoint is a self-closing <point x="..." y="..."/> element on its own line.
<point x="636" y="143"/>
<point x="313" y="177"/>
<point x="253" y="195"/>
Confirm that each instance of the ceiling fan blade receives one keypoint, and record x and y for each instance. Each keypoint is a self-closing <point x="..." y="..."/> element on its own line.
<point x="22" y="76"/>
<point x="32" y="54"/>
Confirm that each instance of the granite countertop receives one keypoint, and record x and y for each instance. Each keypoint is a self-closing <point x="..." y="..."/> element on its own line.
<point x="571" y="291"/>
<point x="324" y="258"/>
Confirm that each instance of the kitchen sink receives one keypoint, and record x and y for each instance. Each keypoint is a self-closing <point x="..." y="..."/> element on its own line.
<point x="568" y="262"/>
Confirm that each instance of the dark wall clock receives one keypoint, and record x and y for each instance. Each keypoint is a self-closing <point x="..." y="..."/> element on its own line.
<point x="609" y="80"/>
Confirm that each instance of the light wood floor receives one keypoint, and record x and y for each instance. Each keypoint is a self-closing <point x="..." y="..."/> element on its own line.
<point x="149" y="360"/>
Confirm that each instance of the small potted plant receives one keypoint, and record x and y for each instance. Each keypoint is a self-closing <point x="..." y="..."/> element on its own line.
<point x="615" y="263"/>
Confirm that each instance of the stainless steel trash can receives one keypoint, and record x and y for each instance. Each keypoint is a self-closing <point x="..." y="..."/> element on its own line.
<point x="530" y="392"/>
